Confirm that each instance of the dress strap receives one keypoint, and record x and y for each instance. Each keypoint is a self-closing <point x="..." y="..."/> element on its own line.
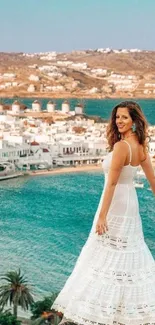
<point x="130" y="158"/>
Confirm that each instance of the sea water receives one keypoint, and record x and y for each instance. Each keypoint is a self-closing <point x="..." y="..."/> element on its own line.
<point x="45" y="221"/>
<point x="99" y="107"/>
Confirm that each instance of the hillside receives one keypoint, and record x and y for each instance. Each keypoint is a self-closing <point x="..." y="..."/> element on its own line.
<point x="78" y="74"/>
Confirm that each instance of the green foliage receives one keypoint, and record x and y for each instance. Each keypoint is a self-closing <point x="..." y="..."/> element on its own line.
<point x="15" y="292"/>
<point x="38" y="307"/>
<point x="55" y="320"/>
<point x="38" y="321"/>
<point x="7" y="318"/>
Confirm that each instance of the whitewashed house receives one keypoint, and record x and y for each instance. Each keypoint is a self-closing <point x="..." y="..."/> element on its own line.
<point x="31" y="88"/>
<point x="152" y="148"/>
<point x="33" y="77"/>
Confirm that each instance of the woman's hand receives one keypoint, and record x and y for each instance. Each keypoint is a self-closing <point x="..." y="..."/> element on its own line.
<point x="101" y="226"/>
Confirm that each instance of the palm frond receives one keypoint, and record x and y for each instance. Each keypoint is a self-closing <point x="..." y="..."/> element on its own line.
<point x="16" y="292"/>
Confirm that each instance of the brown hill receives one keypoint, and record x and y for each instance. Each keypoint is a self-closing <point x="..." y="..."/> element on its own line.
<point x="140" y="64"/>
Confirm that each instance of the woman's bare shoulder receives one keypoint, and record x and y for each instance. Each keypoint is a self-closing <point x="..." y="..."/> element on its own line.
<point x="120" y="145"/>
<point x="120" y="151"/>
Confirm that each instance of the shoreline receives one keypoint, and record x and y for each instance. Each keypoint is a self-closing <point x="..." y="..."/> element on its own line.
<point x="66" y="170"/>
<point x="69" y="169"/>
<point x="75" y="96"/>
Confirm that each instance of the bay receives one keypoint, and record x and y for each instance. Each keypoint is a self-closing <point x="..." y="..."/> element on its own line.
<point x="46" y="220"/>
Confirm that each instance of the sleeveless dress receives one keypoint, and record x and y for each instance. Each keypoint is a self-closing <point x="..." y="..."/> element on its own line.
<point x="113" y="281"/>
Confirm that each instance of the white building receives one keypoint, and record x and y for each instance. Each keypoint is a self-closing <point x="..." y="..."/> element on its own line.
<point x="79" y="66"/>
<point x="50" y="107"/>
<point x="54" y="74"/>
<point x="16" y="107"/>
<point x="79" y="109"/>
<point x="48" y="68"/>
<point x="58" y="88"/>
<point x="64" y="63"/>
<point x="135" y="50"/>
<point x="93" y="90"/>
<point x="33" y="77"/>
<point x="9" y="75"/>
<point x="123" y="82"/>
<point x="124" y="51"/>
<point x="152" y="148"/>
<point x="34" y="66"/>
<point x="147" y="92"/>
<point x="2" y="86"/>
<point x="65" y="107"/>
<point x="102" y="50"/>
<point x="14" y="84"/>
<point x="150" y="85"/>
<point x="48" y="56"/>
<point x="12" y="152"/>
<point x="99" y="72"/>
<point x="31" y="88"/>
<point x="36" y="106"/>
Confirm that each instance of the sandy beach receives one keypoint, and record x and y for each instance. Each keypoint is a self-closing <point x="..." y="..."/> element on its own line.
<point x="63" y="170"/>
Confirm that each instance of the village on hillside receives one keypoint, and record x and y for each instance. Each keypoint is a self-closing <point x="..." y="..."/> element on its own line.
<point x="36" y="138"/>
<point x="100" y="73"/>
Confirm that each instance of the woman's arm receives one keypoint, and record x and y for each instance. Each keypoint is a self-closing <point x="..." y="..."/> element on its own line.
<point x="118" y="159"/>
<point x="149" y="172"/>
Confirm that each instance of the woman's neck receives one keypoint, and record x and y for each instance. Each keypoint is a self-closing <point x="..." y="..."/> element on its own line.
<point x="126" y="136"/>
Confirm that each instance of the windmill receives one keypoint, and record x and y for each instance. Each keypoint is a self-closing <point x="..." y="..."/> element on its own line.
<point x="79" y="108"/>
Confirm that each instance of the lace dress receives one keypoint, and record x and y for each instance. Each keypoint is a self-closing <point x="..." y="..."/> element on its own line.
<point x="113" y="281"/>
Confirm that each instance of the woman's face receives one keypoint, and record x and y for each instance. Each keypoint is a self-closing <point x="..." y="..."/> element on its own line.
<point x="123" y="120"/>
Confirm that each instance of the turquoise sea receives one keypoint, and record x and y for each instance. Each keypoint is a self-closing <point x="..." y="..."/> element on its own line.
<point x="100" y="107"/>
<point x="45" y="220"/>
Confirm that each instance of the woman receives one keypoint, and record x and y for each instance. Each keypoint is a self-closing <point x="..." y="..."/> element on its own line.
<point x="113" y="281"/>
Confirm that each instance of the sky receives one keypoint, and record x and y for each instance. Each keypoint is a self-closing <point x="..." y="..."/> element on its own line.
<point x="66" y="25"/>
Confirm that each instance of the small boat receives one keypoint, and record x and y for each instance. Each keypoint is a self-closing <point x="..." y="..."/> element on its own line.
<point x="140" y="173"/>
<point x="14" y="175"/>
<point x="42" y="166"/>
<point x="139" y="184"/>
<point x="60" y="163"/>
<point x="8" y="171"/>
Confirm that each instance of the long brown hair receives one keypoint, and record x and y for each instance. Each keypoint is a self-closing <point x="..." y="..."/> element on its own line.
<point x="139" y="120"/>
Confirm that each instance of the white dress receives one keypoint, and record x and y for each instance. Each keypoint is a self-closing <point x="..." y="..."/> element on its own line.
<point x="113" y="281"/>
